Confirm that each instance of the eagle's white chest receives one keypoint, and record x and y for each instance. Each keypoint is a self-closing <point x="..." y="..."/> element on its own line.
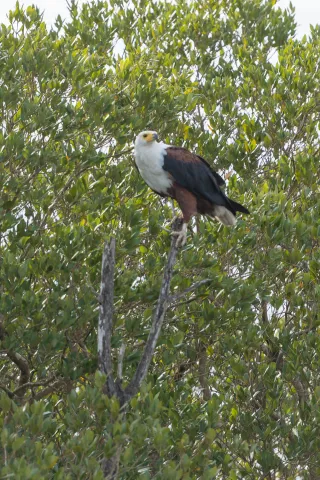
<point x="149" y="160"/>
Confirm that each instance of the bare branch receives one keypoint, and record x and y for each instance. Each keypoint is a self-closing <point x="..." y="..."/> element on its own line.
<point x="185" y="302"/>
<point x="203" y="372"/>
<point x="33" y="385"/>
<point x="278" y="358"/>
<point x="265" y="350"/>
<point x="301" y="392"/>
<point x="3" y="332"/>
<point x="50" y="389"/>
<point x="110" y="466"/>
<point x="23" y="366"/>
<point x="304" y="332"/>
<point x="264" y="312"/>
<point x="162" y="306"/>
<point x="174" y="298"/>
<point x="106" y="314"/>
<point x="120" y="360"/>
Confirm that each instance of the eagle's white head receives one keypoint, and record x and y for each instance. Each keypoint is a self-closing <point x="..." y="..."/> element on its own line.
<point x="146" y="138"/>
<point x="149" y="158"/>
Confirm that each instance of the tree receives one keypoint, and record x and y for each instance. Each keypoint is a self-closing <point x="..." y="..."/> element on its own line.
<point x="232" y="391"/>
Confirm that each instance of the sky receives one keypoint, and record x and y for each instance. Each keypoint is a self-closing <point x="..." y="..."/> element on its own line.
<point x="307" y="11"/>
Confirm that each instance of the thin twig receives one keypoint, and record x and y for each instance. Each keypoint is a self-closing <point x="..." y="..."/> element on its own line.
<point x="174" y="298"/>
<point x="185" y="302"/>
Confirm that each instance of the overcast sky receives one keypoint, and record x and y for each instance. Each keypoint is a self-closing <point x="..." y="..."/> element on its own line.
<point x="307" y="11"/>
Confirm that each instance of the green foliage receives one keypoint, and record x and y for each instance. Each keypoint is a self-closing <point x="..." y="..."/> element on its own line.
<point x="233" y="390"/>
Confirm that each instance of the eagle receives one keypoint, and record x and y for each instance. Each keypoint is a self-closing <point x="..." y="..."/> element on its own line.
<point x="187" y="178"/>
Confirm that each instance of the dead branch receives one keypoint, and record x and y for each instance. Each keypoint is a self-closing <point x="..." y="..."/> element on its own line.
<point x="178" y="296"/>
<point x="162" y="305"/>
<point x="23" y="366"/>
<point x="50" y="389"/>
<point x="120" y="360"/>
<point x="106" y="317"/>
<point x="203" y="372"/>
<point x="110" y="466"/>
<point x="33" y="385"/>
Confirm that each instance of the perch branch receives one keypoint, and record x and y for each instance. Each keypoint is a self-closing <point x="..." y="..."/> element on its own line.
<point x="157" y="320"/>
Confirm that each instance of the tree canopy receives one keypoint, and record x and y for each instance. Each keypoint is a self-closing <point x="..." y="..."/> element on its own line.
<point x="233" y="390"/>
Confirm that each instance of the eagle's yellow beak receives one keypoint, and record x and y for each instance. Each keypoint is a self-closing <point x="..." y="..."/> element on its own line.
<point x="151" y="137"/>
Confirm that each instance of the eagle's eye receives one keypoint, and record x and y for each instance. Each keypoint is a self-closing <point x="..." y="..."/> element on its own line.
<point x="145" y="135"/>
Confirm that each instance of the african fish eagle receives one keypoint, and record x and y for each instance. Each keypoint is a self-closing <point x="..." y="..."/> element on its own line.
<point x="186" y="177"/>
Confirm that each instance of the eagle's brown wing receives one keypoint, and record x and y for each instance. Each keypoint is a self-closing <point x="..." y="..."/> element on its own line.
<point x="195" y="175"/>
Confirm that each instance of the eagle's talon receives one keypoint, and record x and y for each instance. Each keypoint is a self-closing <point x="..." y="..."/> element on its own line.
<point x="181" y="235"/>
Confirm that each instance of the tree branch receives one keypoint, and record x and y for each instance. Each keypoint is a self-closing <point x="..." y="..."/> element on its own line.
<point x="105" y="316"/>
<point x="203" y="372"/>
<point x="301" y="391"/>
<point x="278" y="357"/>
<point x="120" y="360"/>
<point x="23" y="366"/>
<point x="50" y="389"/>
<point x="162" y="306"/>
<point x="33" y="385"/>
<point x="174" y="298"/>
<point x="110" y="466"/>
<point x="264" y="305"/>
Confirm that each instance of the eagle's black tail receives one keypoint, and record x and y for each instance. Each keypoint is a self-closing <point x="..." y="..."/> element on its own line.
<point x="237" y="207"/>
